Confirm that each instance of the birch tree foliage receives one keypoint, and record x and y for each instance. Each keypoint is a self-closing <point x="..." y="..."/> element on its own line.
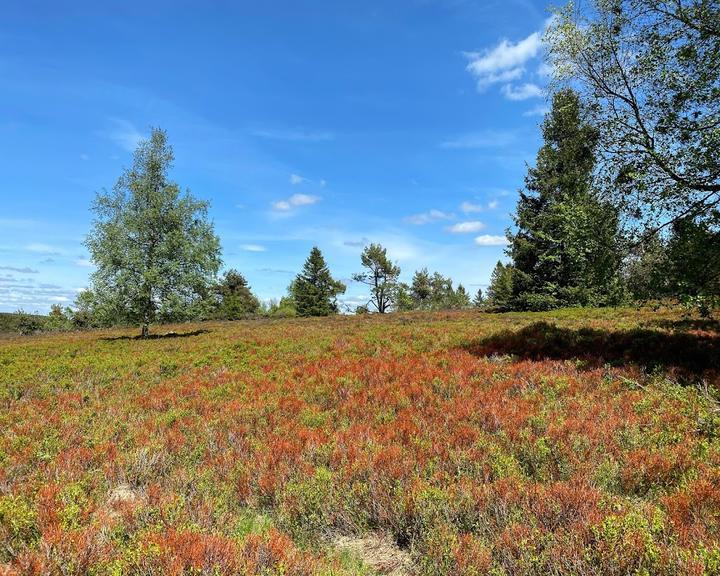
<point x="154" y="247"/>
<point x="650" y="70"/>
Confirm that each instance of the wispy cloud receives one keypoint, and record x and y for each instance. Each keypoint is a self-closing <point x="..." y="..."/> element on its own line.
<point x="539" y="110"/>
<point x="298" y="135"/>
<point x="296" y="179"/>
<point x="253" y="248"/>
<point x="522" y="92"/>
<point x="356" y="243"/>
<point x="24" y="270"/>
<point x="470" y="208"/>
<point x="39" y="248"/>
<point x="83" y="263"/>
<point x="466" y="227"/>
<point x="493" y="204"/>
<point x="427" y="217"/>
<point x="490" y="240"/>
<point x="506" y="63"/>
<point x="27" y="294"/>
<point x="295" y="201"/>
<point x="124" y="134"/>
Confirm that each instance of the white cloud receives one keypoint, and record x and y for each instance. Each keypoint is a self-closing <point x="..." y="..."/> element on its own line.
<point x="490" y="240"/>
<point x="59" y="299"/>
<point x="522" y="92"/>
<point x="39" y="248"/>
<point x="303" y="199"/>
<point x="427" y="217"/>
<point x="124" y="134"/>
<point x="83" y="263"/>
<point x="509" y="63"/>
<point x="493" y="204"/>
<point x="539" y="110"/>
<point x="469" y="207"/>
<point x="294" y="201"/>
<point x="544" y="70"/>
<point x="323" y="183"/>
<point x="23" y="270"/>
<point x="466" y="227"/>
<point x="296" y="179"/>
<point x="504" y="62"/>
<point x="252" y="248"/>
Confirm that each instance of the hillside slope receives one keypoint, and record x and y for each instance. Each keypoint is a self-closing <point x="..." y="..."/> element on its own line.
<point x="473" y="443"/>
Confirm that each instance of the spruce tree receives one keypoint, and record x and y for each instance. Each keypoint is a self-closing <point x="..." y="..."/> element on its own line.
<point x="461" y="298"/>
<point x="479" y="300"/>
<point x="235" y="300"/>
<point x="500" y="291"/>
<point x="314" y="290"/>
<point x="565" y="250"/>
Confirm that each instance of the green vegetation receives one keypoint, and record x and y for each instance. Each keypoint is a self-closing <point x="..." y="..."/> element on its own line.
<point x="155" y="250"/>
<point x="576" y="441"/>
<point x="314" y="290"/>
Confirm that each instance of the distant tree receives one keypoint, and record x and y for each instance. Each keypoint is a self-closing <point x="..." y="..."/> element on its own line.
<point x="649" y="70"/>
<point x="58" y="319"/>
<point x="314" y="290"/>
<point x="645" y="268"/>
<point x="442" y="294"/>
<point x="421" y="289"/>
<point x="234" y="298"/>
<point x="479" y="300"/>
<point x="154" y="248"/>
<point x="500" y="291"/>
<point x="565" y="249"/>
<point x="461" y="298"/>
<point x="283" y="308"/>
<point x="27" y="324"/>
<point x="381" y="275"/>
<point x="403" y="298"/>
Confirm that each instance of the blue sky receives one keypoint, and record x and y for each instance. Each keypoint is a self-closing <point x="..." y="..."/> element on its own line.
<point x="328" y="123"/>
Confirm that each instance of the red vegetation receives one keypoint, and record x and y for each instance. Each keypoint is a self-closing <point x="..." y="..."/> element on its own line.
<point x="245" y="448"/>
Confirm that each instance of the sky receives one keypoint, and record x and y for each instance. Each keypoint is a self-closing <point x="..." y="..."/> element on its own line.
<point x="331" y="123"/>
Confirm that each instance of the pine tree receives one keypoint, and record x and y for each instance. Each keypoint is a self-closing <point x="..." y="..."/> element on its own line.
<point x="421" y="289"/>
<point x="314" y="290"/>
<point x="235" y="300"/>
<point x="461" y="297"/>
<point x="500" y="291"/>
<point x="479" y="300"/>
<point x="565" y="250"/>
<point x="442" y="296"/>
<point x="381" y="275"/>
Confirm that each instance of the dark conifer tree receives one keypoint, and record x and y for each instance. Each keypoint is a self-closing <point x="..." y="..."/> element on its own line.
<point x="314" y="290"/>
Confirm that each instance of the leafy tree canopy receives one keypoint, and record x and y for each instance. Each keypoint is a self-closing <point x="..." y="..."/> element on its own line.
<point x="154" y="248"/>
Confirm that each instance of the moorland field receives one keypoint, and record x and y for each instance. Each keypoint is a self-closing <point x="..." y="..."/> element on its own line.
<point x="573" y="442"/>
